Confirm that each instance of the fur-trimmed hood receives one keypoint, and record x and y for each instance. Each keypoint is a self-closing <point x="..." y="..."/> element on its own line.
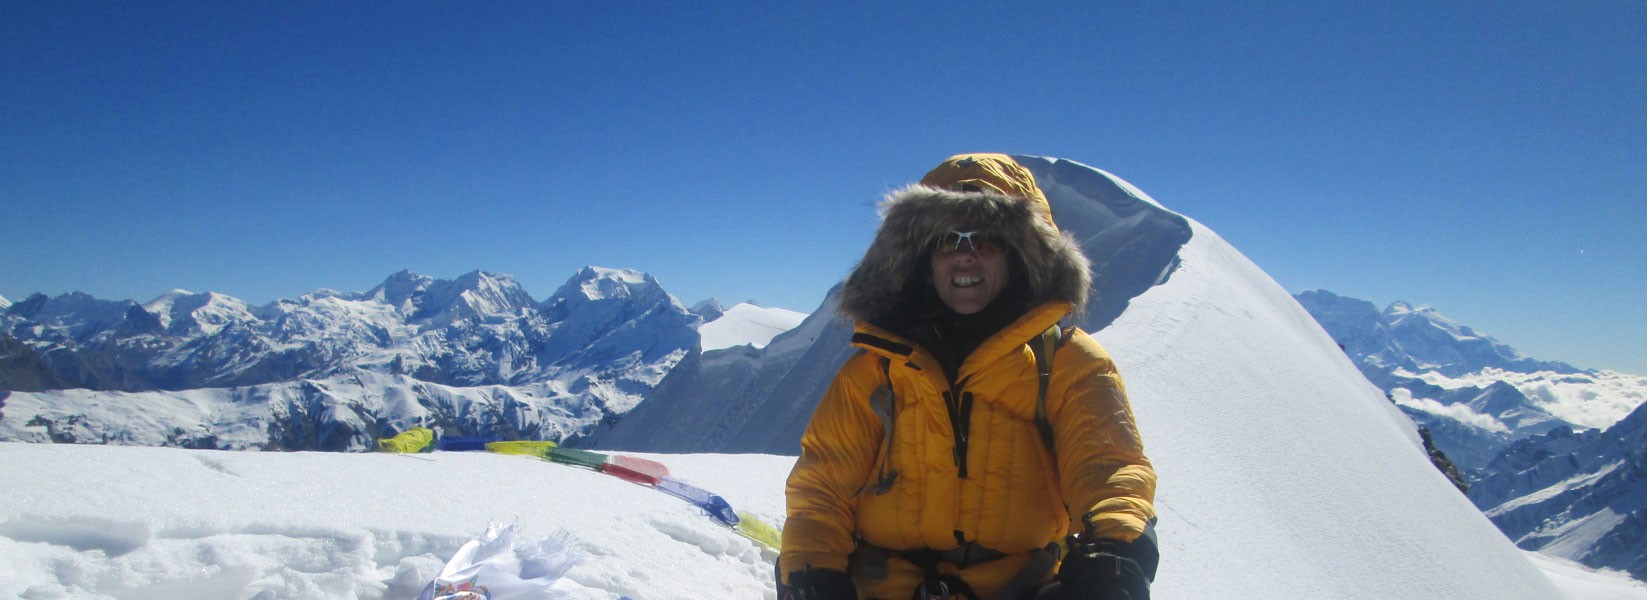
<point x="894" y="272"/>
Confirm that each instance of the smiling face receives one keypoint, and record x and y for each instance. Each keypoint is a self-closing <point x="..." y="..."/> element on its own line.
<point x="968" y="276"/>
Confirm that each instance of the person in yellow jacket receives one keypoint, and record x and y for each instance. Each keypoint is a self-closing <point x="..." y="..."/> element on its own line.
<point x="930" y="468"/>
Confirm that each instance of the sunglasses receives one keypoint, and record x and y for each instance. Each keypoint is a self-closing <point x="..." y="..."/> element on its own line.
<point x="976" y="241"/>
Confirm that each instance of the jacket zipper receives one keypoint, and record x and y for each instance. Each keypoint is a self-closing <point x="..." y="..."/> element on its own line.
<point x="960" y="406"/>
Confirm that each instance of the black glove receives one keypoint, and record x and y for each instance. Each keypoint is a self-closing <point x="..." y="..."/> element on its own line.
<point x="819" y="584"/>
<point x="1102" y="570"/>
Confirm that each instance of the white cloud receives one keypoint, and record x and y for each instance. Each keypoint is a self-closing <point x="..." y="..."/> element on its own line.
<point x="1456" y="412"/>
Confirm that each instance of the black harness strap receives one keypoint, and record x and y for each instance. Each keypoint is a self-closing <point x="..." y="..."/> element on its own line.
<point x="1042" y="349"/>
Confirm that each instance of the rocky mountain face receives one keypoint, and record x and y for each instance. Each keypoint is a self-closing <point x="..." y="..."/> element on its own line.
<point x="1553" y="454"/>
<point x="331" y="370"/>
<point x="1575" y="494"/>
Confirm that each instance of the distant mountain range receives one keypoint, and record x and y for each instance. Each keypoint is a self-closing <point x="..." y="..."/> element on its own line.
<point x="1553" y="454"/>
<point x="333" y="370"/>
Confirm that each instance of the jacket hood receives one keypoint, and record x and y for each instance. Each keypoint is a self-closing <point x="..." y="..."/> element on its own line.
<point x="967" y="192"/>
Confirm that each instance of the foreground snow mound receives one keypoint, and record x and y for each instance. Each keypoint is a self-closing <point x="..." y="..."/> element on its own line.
<point x="128" y="522"/>
<point x="93" y="522"/>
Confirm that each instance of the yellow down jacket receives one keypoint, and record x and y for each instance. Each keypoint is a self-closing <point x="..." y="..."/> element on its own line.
<point x="1015" y="499"/>
<point x="961" y="463"/>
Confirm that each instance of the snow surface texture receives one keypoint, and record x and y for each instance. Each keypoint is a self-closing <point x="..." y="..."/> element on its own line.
<point x="747" y="325"/>
<point x="1269" y="443"/>
<point x="135" y="523"/>
<point x="149" y="523"/>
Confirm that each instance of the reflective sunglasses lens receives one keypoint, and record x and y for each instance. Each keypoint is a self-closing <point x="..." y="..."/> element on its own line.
<point x="956" y="241"/>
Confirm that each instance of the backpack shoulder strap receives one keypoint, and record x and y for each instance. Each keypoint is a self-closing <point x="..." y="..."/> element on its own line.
<point x="882" y="403"/>
<point x="1042" y="348"/>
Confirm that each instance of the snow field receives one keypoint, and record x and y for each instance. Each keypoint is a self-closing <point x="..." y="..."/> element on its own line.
<point x="136" y="523"/>
<point x="130" y="523"/>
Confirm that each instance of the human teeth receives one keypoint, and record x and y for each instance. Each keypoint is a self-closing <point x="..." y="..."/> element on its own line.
<point x="965" y="281"/>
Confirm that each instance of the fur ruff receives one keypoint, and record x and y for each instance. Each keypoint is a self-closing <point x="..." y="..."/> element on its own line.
<point x="917" y="216"/>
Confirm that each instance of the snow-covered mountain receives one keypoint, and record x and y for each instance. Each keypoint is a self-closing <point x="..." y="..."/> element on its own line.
<point x="747" y="324"/>
<point x="1413" y="339"/>
<point x="1476" y="394"/>
<point x="1268" y="440"/>
<point x="708" y="309"/>
<point x="1574" y="495"/>
<point x="1529" y="435"/>
<point x="332" y="370"/>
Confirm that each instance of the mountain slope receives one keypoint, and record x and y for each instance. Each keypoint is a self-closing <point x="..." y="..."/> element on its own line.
<point x="1575" y="495"/>
<point x="1530" y="435"/>
<point x="731" y="400"/>
<point x="1278" y="441"/>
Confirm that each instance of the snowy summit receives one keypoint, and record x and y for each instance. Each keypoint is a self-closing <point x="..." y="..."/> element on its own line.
<point x="747" y="324"/>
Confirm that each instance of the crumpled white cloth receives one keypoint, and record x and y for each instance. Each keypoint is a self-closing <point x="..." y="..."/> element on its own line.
<point x="499" y="567"/>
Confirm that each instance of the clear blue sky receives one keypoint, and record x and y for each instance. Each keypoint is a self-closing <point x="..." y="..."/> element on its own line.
<point x="1487" y="159"/>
